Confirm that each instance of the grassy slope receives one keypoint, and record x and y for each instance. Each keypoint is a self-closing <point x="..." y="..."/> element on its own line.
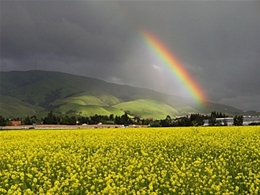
<point x="33" y="90"/>
<point x="89" y="104"/>
<point x="40" y="84"/>
<point x="11" y="106"/>
<point x="90" y="98"/>
<point x="147" y="108"/>
<point x="87" y="110"/>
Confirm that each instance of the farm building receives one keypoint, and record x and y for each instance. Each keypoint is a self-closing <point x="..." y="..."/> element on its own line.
<point x="229" y="121"/>
<point x="16" y="123"/>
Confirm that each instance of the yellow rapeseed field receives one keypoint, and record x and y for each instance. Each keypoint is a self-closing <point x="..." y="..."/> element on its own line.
<point x="195" y="160"/>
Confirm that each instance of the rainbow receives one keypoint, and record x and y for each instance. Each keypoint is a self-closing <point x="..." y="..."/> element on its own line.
<point x="173" y="63"/>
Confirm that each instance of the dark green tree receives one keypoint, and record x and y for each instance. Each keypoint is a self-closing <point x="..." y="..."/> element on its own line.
<point x="182" y="121"/>
<point x="137" y="120"/>
<point x="197" y="119"/>
<point x="125" y="120"/>
<point x="50" y="118"/>
<point x="2" y="121"/>
<point x="83" y="120"/>
<point x="238" y="120"/>
<point x="27" y="121"/>
<point x="73" y="120"/>
<point x="34" y="119"/>
<point x="111" y="117"/>
<point x="213" y="118"/>
<point x="167" y="122"/>
<point x="117" y="120"/>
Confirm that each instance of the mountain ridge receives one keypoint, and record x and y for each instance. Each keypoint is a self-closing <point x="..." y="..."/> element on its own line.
<point x="67" y="94"/>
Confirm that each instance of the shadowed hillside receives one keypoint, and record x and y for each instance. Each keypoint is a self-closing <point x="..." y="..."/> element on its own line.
<point x="38" y="92"/>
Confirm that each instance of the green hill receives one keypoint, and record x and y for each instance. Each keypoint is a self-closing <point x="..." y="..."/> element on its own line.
<point x="147" y="108"/>
<point x="13" y="107"/>
<point x="25" y="93"/>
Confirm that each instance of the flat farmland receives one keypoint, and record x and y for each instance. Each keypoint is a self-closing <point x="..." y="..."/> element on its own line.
<point x="194" y="160"/>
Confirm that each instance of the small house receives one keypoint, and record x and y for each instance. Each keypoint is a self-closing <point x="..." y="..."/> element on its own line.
<point x="16" y="123"/>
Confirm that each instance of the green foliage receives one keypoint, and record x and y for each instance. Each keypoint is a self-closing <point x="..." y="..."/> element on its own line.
<point x="189" y="120"/>
<point x="197" y="119"/>
<point x="27" y="121"/>
<point x="213" y="118"/>
<point x="123" y="120"/>
<point x="238" y="120"/>
<point x="38" y="92"/>
<point x="2" y="121"/>
<point x="155" y="124"/>
<point x="147" y="108"/>
<point x="254" y="123"/>
<point x="13" y="107"/>
<point x="67" y="120"/>
<point x="50" y="118"/>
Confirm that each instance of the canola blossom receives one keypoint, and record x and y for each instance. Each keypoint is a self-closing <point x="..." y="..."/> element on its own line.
<point x="195" y="160"/>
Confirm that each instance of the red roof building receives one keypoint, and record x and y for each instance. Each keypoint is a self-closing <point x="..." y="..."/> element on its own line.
<point x="16" y="123"/>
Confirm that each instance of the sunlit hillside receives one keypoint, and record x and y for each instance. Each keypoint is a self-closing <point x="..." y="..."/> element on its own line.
<point x="38" y="92"/>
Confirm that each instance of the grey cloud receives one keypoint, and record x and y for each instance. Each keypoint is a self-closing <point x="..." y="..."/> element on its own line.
<point x="218" y="43"/>
<point x="50" y="27"/>
<point x="245" y="102"/>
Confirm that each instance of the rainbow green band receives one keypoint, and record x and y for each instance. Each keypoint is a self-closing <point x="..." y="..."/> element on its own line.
<point x="175" y="66"/>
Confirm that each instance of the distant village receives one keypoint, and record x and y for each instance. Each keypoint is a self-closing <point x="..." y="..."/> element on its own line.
<point x="53" y="121"/>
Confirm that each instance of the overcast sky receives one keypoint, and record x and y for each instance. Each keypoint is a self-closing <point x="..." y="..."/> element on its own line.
<point x="218" y="43"/>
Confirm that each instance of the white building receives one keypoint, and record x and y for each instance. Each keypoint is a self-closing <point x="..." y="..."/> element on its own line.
<point x="229" y="121"/>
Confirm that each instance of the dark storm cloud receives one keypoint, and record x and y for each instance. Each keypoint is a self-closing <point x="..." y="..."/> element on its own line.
<point x="64" y="29"/>
<point x="218" y="43"/>
<point x="219" y="40"/>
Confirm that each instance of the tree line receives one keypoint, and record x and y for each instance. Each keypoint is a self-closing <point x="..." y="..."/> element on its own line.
<point x="199" y="120"/>
<point x="54" y="119"/>
<point x="188" y="120"/>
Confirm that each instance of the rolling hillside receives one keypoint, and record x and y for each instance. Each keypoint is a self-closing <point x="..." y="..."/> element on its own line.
<point x="38" y="92"/>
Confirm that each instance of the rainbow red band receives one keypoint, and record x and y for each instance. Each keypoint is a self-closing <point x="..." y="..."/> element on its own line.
<point x="175" y="66"/>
